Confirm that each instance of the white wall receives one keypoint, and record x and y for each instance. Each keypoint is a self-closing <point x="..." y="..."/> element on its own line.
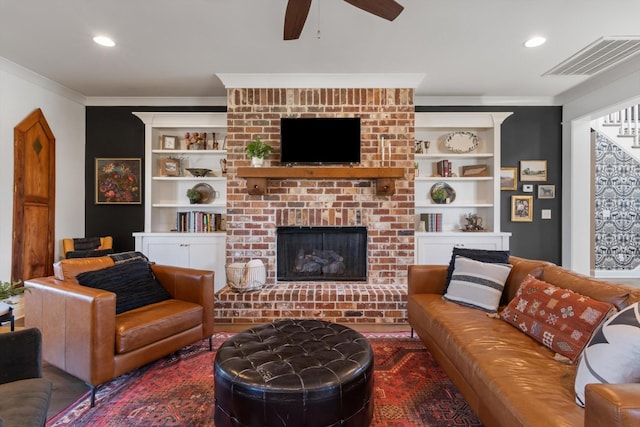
<point x="21" y="92"/>
<point x="600" y="95"/>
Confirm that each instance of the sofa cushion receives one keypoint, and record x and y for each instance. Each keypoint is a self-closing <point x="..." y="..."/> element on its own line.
<point x="560" y="319"/>
<point x="477" y="284"/>
<point x="133" y="283"/>
<point x="482" y="255"/>
<point x="145" y="325"/>
<point x="68" y="269"/>
<point x="611" y="356"/>
<point x="25" y="402"/>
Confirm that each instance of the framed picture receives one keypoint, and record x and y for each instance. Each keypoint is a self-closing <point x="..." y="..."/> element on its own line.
<point x="170" y="142"/>
<point x="546" y="191"/>
<point x="118" y="181"/>
<point x="508" y="178"/>
<point x="522" y="208"/>
<point x="533" y="170"/>
<point x="169" y="167"/>
<point x="475" y="170"/>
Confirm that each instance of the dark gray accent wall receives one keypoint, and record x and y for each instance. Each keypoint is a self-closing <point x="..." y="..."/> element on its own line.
<point x="530" y="133"/>
<point x="114" y="132"/>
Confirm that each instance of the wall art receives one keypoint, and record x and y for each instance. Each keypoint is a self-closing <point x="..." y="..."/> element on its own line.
<point x="533" y="170"/>
<point x="522" y="208"/>
<point x="118" y="181"/>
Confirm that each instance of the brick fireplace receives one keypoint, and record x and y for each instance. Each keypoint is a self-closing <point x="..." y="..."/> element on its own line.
<point x="387" y="120"/>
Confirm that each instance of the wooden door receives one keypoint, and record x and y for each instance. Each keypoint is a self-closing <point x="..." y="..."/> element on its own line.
<point x="33" y="198"/>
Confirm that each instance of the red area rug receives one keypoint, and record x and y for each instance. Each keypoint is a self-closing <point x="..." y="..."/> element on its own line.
<point x="410" y="390"/>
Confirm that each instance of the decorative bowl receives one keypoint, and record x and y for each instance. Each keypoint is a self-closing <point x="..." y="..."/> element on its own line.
<point x="198" y="172"/>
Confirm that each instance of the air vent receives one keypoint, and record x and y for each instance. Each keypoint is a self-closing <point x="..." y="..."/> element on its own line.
<point x="598" y="56"/>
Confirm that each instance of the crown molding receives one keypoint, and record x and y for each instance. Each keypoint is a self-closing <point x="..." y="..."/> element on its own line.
<point x="41" y="81"/>
<point x="475" y="101"/>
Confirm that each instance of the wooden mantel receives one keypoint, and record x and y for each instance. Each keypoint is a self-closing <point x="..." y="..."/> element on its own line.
<point x="257" y="176"/>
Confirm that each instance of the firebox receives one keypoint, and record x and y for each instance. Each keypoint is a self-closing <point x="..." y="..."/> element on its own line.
<point x="321" y="253"/>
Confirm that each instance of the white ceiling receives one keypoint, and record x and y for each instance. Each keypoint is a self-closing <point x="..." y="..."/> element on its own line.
<point x="176" y="48"/>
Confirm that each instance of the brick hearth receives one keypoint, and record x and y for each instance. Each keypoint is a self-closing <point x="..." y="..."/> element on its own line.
<point x="386" y="114"/>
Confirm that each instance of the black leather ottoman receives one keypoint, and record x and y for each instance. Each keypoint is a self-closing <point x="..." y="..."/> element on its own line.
<point x="294" y="373"/>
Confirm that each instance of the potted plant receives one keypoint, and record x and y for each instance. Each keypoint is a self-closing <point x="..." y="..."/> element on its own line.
<point x="439" y="195"/>
<point x="7" y="291"/>
<point x="193" y="195"/>
<point x="258" y="151"/>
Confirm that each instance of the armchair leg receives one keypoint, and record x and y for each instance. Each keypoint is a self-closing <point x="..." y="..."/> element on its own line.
<point x="210" y="343"/>
<point x="411" y="332"/>
<point x="93" y="394"/>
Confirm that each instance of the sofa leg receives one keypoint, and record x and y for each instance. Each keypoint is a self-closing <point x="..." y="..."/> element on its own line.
<point x="411" y="332"/>
<point x="93" y="395"/>
<point x="210" y="343"/>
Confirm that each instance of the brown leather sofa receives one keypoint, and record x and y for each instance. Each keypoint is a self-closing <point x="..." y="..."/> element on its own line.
<point x="506" y="377"/>
<point x="82" y="334"/>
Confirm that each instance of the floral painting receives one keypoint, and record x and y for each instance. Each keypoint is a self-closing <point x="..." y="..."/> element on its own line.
<point x="118" y="181"/>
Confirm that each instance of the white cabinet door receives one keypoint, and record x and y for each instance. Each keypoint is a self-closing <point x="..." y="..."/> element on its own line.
<point x="204" y="252"/>
<point x="434" y="249"/>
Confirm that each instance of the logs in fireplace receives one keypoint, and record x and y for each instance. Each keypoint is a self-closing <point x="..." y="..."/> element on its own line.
<point x="321" y="253"/>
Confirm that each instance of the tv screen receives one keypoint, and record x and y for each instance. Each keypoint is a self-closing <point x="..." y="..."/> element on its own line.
<point x="320" y="140"/>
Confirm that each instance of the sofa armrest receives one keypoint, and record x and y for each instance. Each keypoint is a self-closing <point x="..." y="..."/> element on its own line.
<point x="612" y="405"/>
<point x="426" y="279"/>
<point x="21" y="354"/>
<point x="188" y="284"/>
<point x="78" y="326"/>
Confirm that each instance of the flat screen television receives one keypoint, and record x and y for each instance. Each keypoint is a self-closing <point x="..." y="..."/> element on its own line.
<point x="320" y="140"/>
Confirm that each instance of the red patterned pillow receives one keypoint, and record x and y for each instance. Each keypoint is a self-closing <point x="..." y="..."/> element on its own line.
<point x="557" y="318"/>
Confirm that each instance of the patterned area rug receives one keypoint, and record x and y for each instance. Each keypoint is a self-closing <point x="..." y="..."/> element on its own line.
<point x="410" y="390"/>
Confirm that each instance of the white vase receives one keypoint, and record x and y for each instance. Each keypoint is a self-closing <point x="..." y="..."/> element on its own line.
<point x="257" y="161"/>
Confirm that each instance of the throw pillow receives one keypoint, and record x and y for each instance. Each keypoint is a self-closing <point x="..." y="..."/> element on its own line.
<point x="477" y="284"/>
<point x="611" y="357"/>
<point x="132" y="282"/>
<point x="86" y="243"/>
<point x="482" y="255"/>
<point x="89" y="253"/>
<point x="121" y="257"/>
<point x="559" y="319"/>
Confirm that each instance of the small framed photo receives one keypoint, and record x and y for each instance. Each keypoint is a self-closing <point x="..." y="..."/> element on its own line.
<point x="546" y="191"/>
<point x="522" y="208"/>
<point x="508" y="178"/>
<point x="169" y="142"/>
<point x="169" y="167"/>
<point x="533" y="170"/>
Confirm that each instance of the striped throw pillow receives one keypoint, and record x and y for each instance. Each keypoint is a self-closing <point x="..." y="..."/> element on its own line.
<point x="477" y="284"/>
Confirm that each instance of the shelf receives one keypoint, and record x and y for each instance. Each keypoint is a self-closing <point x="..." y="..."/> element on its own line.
<point x="190" y="206"/>
<point x="189" y="178"/>
<point x="452" y="205"/>
<point x="454" y="178"/>
<point x="257" y="176"/>
<point x="454" y="156"/>
<point x="199" y="152"/>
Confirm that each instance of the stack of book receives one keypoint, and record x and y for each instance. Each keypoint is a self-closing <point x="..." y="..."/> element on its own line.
<point x="432" y="221"/>
<point x="198" y="222"/>
<point x="444" y="168"/>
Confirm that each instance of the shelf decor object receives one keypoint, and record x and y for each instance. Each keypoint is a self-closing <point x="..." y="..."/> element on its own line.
<point x="442" y="193"/>
<point x="199" y="172"/>
<point x="461" y="142"/>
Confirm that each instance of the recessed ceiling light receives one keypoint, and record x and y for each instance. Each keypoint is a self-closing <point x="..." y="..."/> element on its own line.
<point x="104" y="41"/>
<point x="535" y="41"/>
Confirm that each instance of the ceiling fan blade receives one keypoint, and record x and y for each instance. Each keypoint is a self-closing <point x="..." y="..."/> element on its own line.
<point x="295" y="17"/>
<point x="387" y="9"/>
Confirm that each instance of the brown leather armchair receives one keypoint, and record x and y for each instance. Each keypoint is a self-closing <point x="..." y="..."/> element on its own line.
<point x="83" y="335"/>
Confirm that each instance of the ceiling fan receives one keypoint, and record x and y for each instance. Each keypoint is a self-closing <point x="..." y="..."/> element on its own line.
<point x="297" y="11"/>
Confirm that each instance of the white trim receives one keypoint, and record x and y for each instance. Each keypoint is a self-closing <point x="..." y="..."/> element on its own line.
<point x="321" y="80"/>
<point x="40" y="81"/>
<point x="617" y="274"/>
<point x="153" y="101"/>
<point x="485" y="100"/>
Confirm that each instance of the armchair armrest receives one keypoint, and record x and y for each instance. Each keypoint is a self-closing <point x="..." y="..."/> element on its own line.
<point x="188" y="284"/>
<point x="612" y="405"/>
<point x="21" y="357"/>
<point x="426" y="279"/>
<point x="77" y="325"/>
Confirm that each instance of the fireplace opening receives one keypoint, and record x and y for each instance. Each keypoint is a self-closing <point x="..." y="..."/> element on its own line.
<point x="321" y="253"/>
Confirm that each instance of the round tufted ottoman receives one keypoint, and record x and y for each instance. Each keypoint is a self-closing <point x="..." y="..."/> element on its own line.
<point x="294" y="373"/>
